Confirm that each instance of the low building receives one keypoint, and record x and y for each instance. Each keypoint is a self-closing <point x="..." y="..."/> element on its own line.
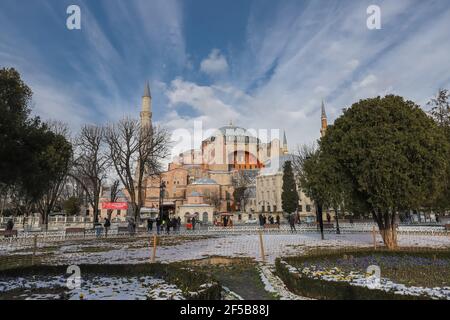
<point x="195" y="206"/>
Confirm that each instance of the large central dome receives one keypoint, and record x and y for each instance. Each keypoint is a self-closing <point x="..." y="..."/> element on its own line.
<point x="233" y="133"/>
<point x="232" y="130"/>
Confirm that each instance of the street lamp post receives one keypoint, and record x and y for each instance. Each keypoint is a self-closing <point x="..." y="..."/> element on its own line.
<point x="162" y="188"/>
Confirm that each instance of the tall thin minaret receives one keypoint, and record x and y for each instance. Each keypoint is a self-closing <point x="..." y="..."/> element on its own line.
<point x="146" y="110"/>
<point x="284" y="149"/>
<point x="323" y="129"/>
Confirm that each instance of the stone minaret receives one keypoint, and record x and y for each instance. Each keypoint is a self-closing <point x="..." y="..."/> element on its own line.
<point x="323" y="129"/>
<point x="284" y="149"/>
<point x="146" y="110"/>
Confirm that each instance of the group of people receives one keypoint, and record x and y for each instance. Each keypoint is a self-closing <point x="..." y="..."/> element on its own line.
<point x="263" y="220"/>
<point x="164" y="224"/>
<point x="224" y="221"/>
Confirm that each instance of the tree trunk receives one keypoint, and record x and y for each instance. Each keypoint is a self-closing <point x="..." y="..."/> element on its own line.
<point x="320" y="219"/>
<point x="46" y="213"/>
<point x="389" y="236"/>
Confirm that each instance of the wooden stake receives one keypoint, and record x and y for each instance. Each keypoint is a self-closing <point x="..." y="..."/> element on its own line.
<point x="263" y="256"/>
<point x="374" y="235"/>
<point x="155" y="240"/>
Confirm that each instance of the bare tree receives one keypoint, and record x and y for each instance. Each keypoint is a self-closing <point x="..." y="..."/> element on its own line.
<point x="213" y="198"/>
<point x="136" y="152"/>
<point x="440" y="108"/>
<point x="242" y="182"/>
<point x="113" y="194"/>
<point x="91" y="164"/>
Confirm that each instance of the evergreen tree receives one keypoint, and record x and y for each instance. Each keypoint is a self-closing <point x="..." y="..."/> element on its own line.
<point x="289" y="195"/>
<point x="392" y="156"/>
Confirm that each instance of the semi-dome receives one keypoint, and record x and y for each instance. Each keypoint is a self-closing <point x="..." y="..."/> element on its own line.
<point x="204" y="181"/>
<point x="195" y="194"/>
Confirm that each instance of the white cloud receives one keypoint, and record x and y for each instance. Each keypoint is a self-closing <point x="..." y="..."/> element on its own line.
<point x="368" y="81"/>
<point x="203" y="99"/>
<point x="215" y="64"/>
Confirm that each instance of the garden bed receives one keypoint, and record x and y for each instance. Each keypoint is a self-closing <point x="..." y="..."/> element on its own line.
<point x="404" y="274"/>
<point x="146" y="281"/>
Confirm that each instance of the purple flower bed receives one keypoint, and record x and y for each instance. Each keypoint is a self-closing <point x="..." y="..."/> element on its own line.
<point x="389" y="261"/>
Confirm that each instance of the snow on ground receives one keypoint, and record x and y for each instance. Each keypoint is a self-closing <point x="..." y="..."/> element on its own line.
<point x="355" y="278"/>
<point x="92" y="288"/>
<point x="235" y="246"/>
<point x="275" y="285"/>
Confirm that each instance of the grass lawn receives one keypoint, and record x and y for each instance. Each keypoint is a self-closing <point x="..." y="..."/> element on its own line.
<point x="240" y="275"/>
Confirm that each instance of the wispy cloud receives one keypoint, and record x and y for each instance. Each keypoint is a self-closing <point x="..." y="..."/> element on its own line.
<point x="294" y="54"/>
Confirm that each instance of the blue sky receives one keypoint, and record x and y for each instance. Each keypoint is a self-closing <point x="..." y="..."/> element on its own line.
<point x="263" y="64"/>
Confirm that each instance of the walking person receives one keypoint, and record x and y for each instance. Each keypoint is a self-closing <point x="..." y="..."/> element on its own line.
<point x="10" y="225"/>
<point x="193" y="223"/>
<point x="292" y="222"/>
<point x="328" y="218"/>
<point x="179" y="223"/>
<point x="163" y="225"/>
<point x="149" y="225"/>
<point x="168" y="225"/>
<point x="158" y="225"/>
<point x="107" y="225"/>
<point x="174" y="224"/>
<point x="9" y="228"/>
<point x="261" y="220"/>
<point x="278" y="219"/>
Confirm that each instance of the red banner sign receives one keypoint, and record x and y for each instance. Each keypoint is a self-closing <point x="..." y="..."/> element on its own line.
<point x="115" y="205"/>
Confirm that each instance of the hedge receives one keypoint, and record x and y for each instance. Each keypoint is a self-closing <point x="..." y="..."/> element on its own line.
<point x="335" y="290"/>
<point x="195" y="286"/>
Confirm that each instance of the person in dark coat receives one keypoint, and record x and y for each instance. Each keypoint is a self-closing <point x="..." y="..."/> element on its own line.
<point x="179" y="223"/>
<point x="130" y="226"/>
<point x="158" y="225"/>
<point x="174" y="224"/>
<point x="150" y="225"/>
<point x="168" y="225"/>
<point x="292" y="222"/>
<point x="194" y="221"/>
<point x="278" y="219"/>
<point x="9" y="225"/>
<point x="107" y="225"/>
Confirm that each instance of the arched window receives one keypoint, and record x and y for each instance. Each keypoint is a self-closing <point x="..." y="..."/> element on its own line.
<point x="205" y="217"/>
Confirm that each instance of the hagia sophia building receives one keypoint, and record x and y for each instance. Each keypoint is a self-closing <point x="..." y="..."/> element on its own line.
<point x="200" y="182"/>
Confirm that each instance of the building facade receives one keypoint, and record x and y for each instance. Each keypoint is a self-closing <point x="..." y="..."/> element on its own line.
<point x="269" y="186"/>
<point x="201" y="181"/>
